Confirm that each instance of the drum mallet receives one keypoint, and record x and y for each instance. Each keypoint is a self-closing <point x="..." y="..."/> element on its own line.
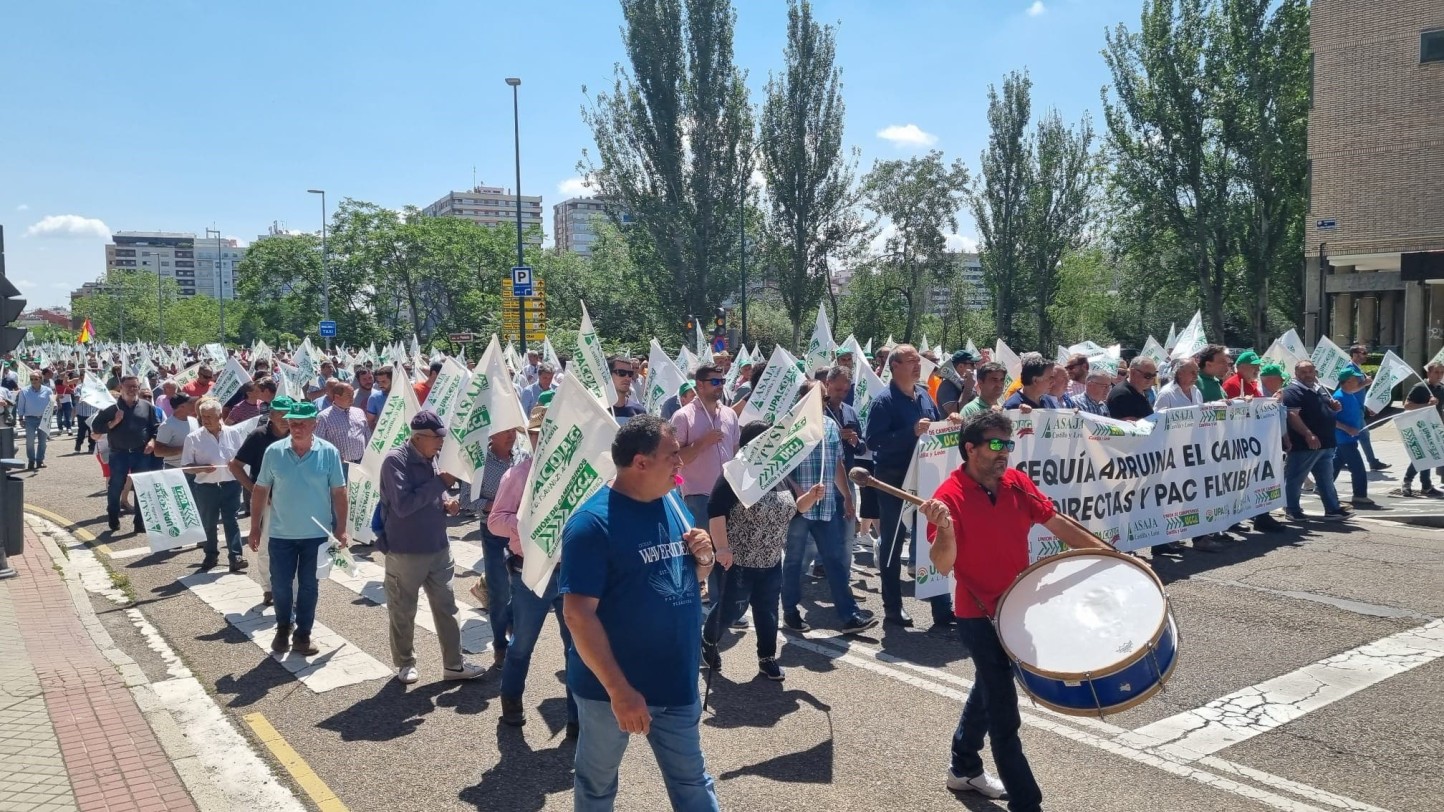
<point x="867" y="480"/>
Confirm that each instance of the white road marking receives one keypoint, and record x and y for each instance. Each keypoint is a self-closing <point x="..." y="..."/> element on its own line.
<point x="367" y="580"/>
<point x="238" y="599"/>
<point x="870" y="660"/>
<point x="1246" y="713"/>
<point x="137" y="552"/>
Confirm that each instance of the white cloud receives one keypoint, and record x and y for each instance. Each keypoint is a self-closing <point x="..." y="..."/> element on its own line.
<point x="240" y="243"/>
<point x="907" y="135"/>
<point x="574" y="187"/>
<point x="25" y="284"/>
<point x="69" y="225"/>
<point x="1036" y="9"/>
<point x="23" y="207"/>
<point x="958" y="242"/>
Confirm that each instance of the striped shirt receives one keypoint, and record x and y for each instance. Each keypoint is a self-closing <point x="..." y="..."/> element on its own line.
<point x="821" y="466"/>
<point x="243" y="411"/>
<point x="345" y="429"/>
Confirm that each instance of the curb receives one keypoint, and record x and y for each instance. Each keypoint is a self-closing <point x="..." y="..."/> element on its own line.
<point x="169" y="732"/>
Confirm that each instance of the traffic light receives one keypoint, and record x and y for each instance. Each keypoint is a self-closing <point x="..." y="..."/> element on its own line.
<point x="691" y="324"/>
<point x="10" y="306"/>
<point x="719" y="330"/>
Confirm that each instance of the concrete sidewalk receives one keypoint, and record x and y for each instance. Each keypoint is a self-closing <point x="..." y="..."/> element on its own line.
<point x="81" y="725"/>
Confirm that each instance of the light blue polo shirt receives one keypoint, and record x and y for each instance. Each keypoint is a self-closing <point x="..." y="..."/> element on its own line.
<point x="300" y="487"/>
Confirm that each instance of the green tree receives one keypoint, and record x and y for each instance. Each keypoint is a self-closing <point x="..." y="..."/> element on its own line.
<point x="812" y="205"/>
<point x="920" y="197"/>
<point x="1000" y="198"/>
<point x="1060" y="210"/>
<point x="673" y="139"/>
<point x="877" y="304"/>
<point x="129" y="306"/>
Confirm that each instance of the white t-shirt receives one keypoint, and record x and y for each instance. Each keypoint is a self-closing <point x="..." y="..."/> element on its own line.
<point x="1172" y="397"/>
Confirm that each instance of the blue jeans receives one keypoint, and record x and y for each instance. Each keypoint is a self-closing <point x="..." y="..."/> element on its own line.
<point x="32" y="435"/>
<point x="67" y="411"/>
<point x="758" y="587"/>
<point x="1298" y="465"/>
<point x="528" y="614"/>
<point x="498" y="586"/>
<point x="293" y="563"/>
<point x="833" y="550"/>
<point x="219" y="502"/>
<point x="122" y="465"/>
<point x="1367" y="445"/>
<point x="676" y="742"/>
<point x="1348" y="456"/>
<point x="992" y="710"/>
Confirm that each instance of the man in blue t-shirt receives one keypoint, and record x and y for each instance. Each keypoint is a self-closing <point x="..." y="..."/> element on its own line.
<point x="1348" y="430"/>
<point x="631" y="564"/>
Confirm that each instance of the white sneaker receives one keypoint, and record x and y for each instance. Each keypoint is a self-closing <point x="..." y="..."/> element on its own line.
<point x="407" y="675"/>
<point x="984" y="784"/>
<point x="468" y="671"/>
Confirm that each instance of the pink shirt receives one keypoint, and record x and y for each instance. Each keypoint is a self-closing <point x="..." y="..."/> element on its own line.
<point x="502" y="518"/>
<point x="692" y="422"/>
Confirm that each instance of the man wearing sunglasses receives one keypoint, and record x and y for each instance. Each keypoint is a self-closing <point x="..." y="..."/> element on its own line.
<point x="708" y="435"/>
<point x="978" y="524"/>
<point x="202" y="384"/>
<point x="1129" y="400"/>
<point x="1077" y="369"/>
<point x="624" y="371"/>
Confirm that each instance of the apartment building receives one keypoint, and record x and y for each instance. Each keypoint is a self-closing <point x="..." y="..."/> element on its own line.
<point x="491" y="206"/>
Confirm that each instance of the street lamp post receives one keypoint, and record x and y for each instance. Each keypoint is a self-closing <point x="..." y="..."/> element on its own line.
<point x="325" y="275"/>
<point x="515" y="82"/>
<point x="742" y="255"/>
<point x="220" y="283"/>
<point x="159" y="302"/>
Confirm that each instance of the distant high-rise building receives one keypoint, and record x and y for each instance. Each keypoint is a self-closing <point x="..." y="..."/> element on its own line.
<point x="491" y="206"/>
<point x="205" y="266"/>
<point x="574" y="223"/>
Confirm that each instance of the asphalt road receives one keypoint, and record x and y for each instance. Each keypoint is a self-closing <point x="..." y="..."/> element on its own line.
<point x="865" y="723"/>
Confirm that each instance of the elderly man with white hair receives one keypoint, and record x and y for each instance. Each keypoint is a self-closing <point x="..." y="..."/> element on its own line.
<point x="209" y="451"/>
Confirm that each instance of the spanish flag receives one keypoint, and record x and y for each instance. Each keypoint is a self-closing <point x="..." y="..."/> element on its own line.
<point x="87" y="332"/>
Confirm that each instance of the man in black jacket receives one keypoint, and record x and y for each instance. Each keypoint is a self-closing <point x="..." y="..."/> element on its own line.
<point x="130" y="426"/>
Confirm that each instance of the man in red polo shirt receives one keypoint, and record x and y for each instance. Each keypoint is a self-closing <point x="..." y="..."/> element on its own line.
<point x="1243" y="383"/>
<point x="979" y="520"/>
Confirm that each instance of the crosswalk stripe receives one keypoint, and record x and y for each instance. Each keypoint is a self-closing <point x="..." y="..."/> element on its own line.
<point x="367" y="580"/>
<point x="238" y="599"/>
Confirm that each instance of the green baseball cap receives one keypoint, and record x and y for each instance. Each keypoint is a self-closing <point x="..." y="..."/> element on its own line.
<point x="1246" y="357"/>
<point x="1272" y="371"/>
<point x="302" y="410"/>
<point x="1349" y="372"/>
<point x="545" y="398"/>
<point x="685" y="388"/>
<point x="281" y="403"/>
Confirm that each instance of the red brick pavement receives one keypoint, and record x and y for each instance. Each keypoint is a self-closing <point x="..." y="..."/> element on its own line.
<point x="110" y="752"/>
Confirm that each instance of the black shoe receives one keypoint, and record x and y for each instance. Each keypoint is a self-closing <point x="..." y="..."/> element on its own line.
<point x="770" y="669"/>
<point x="1267" y="524"/>
<point x="793" y="620"/>
<point x="239" y="565"/>
<point x="208" y="564"/>
<point x="267" y="599"/>
<point x="301" y="644"/>
<point x="711" y="657"/>
<point x="818" y="573"/>
<point x="859" y="622"/>
<point x="40" y="464"/>
<point x="113" y="523"/>
<point x="573" y="730"/>
<point x="944" y="622"/>
<point x="139" y="529"/>
<point x="512" y="712"/>
<point x="281" y="643"/>
<point x="898" y="618"/>
<point x="1378" y="465"/>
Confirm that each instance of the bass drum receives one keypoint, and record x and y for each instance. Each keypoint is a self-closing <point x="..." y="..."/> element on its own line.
<point x="1090" y="632"/>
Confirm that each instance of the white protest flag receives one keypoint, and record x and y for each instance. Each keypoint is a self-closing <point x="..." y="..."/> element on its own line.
<point x="290" y="382"/>
<point x="489" y="405"/>
<point x="304" y="359"/>
<point x="93" y="392"/>
<point x="514" y="362"/>
<point x="1191" y="340"/>
<point x="1287" y="351"/>
<point x="1172" y="337"/>
<point x="261" y="350"/>
<point x="1153" y="350"/>
<point x="867" y="348"/>
<point x="1422" y="433"/>
<point x="821" y="349"/>
<point x="573" y="460"/>
<point x="230" y="380"/>
<point x="704" y="349"/>
<point x="1392" y="372"/>
<point x="549" y="355"/>
<point x="923" y="346"/>
<point x="446" y="390"/>
<point x="168" y="509"/>
<point x="761" y="464"/>
<point x="687" y="361"/>
<point x="590" y="363"/>
<point x="1438" y="357"/>
<point x="46" y="415"/>
<point x="217" y="352"/>
<point x="663" y="379"/>
<point x="1004" y="355"/>
<point x="187" y="375"/>
<point x="776" y="389"/>
<point x="415" y="346"/>
<point x="1329" y="360"/>
<point x="865" y="386"/>
<point x="928" y="367"/>
<point x="889" y="345"/>
<point x="734" y="372"/>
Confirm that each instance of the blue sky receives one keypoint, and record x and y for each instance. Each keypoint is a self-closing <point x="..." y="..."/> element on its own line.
<point x="182" y="115"/>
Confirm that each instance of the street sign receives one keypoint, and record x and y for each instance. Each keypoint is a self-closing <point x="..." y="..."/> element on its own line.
<point x="521" y="280"/>
<point x="328" y="329"/>
<point x="461" y="338"/>
<point x="1326" y="225"/>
